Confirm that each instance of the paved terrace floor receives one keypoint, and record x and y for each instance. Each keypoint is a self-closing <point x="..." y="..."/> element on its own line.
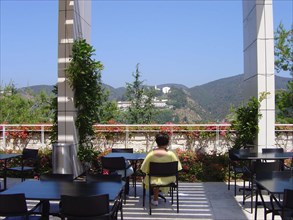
<point x="202" y="201"/>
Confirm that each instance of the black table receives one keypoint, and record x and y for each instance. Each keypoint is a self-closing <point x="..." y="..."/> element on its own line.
<point x="128" y="156"/>
<point x="251" y="156"/>
<point x="264" y="156"/>
<point x="5" y="158"/>
<point x="134" y="158"/>
<point x="52" y="190"/>
<point x="274" y="183"/>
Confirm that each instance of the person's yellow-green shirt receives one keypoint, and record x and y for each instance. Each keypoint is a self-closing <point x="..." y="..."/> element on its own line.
<point x="170" y="156"/>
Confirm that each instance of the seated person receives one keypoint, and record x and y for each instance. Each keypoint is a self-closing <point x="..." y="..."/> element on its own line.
<point x="161" y="154"/>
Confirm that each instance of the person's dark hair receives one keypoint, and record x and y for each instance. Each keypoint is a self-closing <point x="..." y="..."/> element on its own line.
<point x="162" y="139"/>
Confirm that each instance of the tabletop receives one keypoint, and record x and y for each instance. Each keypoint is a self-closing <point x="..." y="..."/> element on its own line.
<point x="52" y="190"/>
<point x="128" y="156"/>
<point x="264" y="156"/>
<point x="8" y="156"/>
<point x="275" y="184"/>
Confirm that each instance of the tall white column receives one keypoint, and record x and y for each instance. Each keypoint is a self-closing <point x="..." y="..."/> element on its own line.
<point x="259" y="63"/>
<point x="73" y="23"/>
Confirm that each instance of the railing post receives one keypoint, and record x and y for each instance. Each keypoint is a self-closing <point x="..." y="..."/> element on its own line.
<point x="126" y="136"/>
<point x="42" y="136"/>
<point x="217" y="136"/>
<point x="4" y="136"/>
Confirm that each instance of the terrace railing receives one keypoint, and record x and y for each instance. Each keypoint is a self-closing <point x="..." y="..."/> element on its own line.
<point x="207" y="137"/>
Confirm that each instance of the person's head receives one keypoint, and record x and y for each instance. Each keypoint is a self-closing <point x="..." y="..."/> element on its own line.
<point x="162" y="139"/>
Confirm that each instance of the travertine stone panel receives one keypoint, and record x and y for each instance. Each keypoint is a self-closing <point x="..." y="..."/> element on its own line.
<point x="258" y="47"/>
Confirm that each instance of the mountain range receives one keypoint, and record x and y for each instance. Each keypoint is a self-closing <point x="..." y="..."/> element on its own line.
<point x="208" y="102"/>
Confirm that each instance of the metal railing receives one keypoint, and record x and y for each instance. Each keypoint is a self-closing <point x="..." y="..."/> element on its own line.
<point x="125" y="134"/>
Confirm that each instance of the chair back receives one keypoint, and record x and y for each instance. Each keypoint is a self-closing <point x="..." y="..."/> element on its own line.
<point x="264" y="169"/>
<point x="13" y="205"/>
<point x="103" y="178"/>
<point x="272" y="150"/>
<point x="163" y="169"/>
<point x="29" y="157"/>
<point x="57" y="177"/>
<point x="113" y="163"/>
<point x="81" y="207"/>
<point x="241" y="152"/>
<point x="122" y="150"/>
<point x="30" y="154"/>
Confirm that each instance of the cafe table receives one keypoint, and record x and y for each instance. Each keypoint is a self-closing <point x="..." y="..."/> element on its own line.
<point x="256" y="156"/>
<point x="5" y="157"/>
<point x="134" y="158"/>
<point x="52" y="190"/>
<point x="264" y="156"/>
<point x="274" y="184"/>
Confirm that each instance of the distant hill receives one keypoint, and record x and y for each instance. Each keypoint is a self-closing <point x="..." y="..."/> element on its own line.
<point x="208" y="102"/>
<point x="37" y="89"/>
<point x="216" y="97"/>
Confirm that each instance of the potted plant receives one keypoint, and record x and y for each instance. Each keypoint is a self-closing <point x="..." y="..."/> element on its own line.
<point x="245" y="122"/>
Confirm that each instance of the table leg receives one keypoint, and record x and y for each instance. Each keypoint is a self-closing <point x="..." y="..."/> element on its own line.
<point x="5" y="174"/>
<point x="256" y="203"/>
<point x="45" y="209"/>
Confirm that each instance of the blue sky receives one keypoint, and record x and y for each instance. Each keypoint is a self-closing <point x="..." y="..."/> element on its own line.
<point x="186" y="42"/>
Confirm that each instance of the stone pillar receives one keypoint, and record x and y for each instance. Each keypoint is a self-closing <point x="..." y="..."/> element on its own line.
<point x="259" y="64"/>
<point x="73" y="23"/>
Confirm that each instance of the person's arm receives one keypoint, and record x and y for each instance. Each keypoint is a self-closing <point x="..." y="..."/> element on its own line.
<point x="145" y="167"/>
<point x="175" y="158"/>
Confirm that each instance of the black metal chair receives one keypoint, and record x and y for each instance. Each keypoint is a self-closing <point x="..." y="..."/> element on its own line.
<point x="163" y="170"/>
<point x="112" y="178"/>
<point x="114" y="164"/>
<point x="83" y="208"/>
<point x="268" y="206"/>
<point x="258" y="170"/>
<point x="135" y="164"/>
<point x="235" y="166"/>
<point x="14" y="207"/>
<point x="275" y="150"/>
<point x="27" y="163"/>
<point x="53" y="207"/>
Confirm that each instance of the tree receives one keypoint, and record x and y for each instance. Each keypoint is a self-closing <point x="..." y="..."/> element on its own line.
<point x="109" y="110"/>
<point x="141" y="109"/>
<point x="284" y="62"/>
<point x="177" y="97"/>
<point x="54" y="110"/>
<point x="166" y="115"/>
<point x="84" y="77"/>
<point x="284" y="49"/>
<point x="24" y="107"/>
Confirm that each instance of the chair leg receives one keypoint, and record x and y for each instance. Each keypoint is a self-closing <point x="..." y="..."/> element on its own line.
<point x="150" y="203"/>
<point x="251" y="198"/>
<point x="256" y="204"/>
<point x="229" y="176"/>
<point x="143" y="195"/>
<point x="177" y="199"/>
<point x="243" y="193"/>
<point x="235" y="183"/>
